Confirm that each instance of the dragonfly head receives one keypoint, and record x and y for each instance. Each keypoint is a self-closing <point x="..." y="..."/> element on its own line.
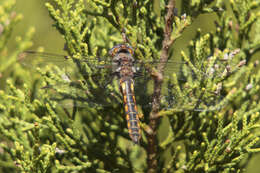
<point x="121" y="48"/>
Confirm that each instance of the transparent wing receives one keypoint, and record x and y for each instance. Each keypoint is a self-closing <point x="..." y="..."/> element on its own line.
<point x="192" y="99"/>
<point x="70" y="94"/>
<point x="209" y="68"/>
<point x="73" y="94"/>
<point x="177" y="92"/>
<point x="189" y="87"/>
<point x="34" y="59"/>
<point x="182" y="68"/>
<point x="66" y="86"/>
<point x="180" y="97"/>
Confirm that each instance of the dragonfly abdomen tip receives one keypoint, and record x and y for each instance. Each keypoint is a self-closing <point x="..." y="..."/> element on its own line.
<point x="135" y="138"/>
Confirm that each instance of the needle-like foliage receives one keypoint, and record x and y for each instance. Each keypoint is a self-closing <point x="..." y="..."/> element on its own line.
<point x="68" y="116"/>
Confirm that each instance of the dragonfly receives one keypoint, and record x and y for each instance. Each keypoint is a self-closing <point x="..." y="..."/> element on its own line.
<point x="127" y="69"/>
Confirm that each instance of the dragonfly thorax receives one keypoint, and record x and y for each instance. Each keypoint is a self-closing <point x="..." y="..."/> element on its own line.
<point x="123" y="61"/>
<point x="123" y="65"/>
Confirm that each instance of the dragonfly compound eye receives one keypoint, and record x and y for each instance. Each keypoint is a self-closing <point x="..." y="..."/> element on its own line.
<point x="121" y="48"/>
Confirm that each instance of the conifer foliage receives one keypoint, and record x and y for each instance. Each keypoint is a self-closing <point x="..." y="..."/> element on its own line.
<point x="67" y="117"/>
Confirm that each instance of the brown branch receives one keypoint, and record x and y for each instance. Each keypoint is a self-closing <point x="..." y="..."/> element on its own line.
<point x="158" y="80"/>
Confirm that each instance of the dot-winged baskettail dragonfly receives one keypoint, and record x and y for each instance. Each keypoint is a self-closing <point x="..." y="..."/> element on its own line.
<point x="127" y="69"/>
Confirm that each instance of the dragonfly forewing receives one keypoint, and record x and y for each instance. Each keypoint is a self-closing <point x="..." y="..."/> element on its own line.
<point x="34" y="59"/>
<point x="72" y="93"/>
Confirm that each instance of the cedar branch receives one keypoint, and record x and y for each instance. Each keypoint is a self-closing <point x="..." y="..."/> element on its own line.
<point x="158" y="80"/>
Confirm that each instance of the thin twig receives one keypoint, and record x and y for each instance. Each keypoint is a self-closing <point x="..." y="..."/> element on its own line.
<point x="158" y="80"/>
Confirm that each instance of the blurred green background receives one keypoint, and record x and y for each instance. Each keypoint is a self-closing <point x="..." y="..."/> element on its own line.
<point x="35" y="14"/>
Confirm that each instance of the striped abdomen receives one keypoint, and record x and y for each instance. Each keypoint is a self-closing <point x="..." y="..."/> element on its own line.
<point x="127" y="89"/>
